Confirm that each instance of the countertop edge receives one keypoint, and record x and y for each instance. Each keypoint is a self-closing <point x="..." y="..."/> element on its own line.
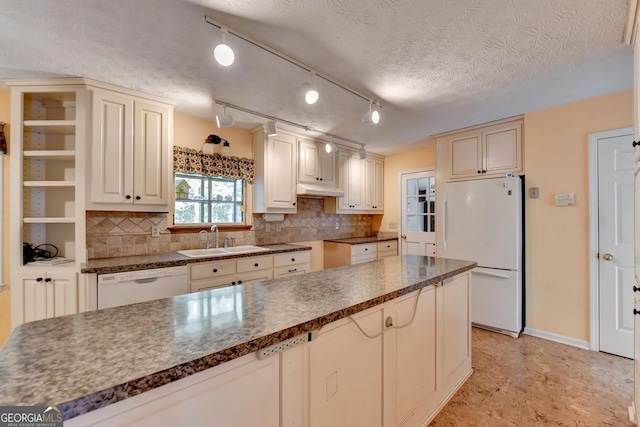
<point x="120" y="392"/>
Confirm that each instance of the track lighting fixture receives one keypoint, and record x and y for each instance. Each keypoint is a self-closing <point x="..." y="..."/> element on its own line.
<point x="271" y="128"/>
<point x="311" y="94"/>
<point x="224" y="120"/>
<point x="328" y="147"/>
<point x="372" y="116"/>
<point x="223" y="53"/>
<point x="362" y="152"/>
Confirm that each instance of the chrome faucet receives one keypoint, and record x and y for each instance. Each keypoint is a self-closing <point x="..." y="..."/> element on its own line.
<point x="214" y="228"/>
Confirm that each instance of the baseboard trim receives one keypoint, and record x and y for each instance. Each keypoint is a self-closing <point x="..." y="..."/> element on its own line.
<point x="557" y="338"/>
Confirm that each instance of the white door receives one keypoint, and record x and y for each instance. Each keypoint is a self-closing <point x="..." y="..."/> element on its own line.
<point x="615" y="243"/>
<point x="418" y="213"/>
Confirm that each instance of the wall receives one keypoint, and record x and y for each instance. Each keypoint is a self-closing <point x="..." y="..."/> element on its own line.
<point x="190" y="132"/>
<point x="557" y="247"/>
<point x="393" y="165"/>
<point x="5" y="299"/>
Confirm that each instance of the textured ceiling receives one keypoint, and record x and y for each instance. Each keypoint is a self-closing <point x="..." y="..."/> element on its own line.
<point x="435" y="65"/>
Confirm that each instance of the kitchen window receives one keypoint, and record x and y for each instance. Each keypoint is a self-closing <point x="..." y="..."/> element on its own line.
<point x="205" y="200"/>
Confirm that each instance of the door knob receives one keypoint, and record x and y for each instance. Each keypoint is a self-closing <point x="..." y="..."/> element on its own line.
<point x="607" y="257"/>
<point x="404" y="236"/>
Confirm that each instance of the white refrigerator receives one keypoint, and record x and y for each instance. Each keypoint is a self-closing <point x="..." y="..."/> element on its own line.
<point x="483" y="221"/>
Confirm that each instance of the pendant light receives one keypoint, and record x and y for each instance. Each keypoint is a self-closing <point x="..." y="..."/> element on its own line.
<point x="224" y="120"/>
<point x="311" y="94"/>
<point x="223" y="53"/>
<point x="371" y="117"/>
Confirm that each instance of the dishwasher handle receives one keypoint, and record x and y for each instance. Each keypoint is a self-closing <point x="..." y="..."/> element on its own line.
<point x="147" y="280"/>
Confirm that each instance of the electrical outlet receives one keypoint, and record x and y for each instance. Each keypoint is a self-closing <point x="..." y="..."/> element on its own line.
<point x="337" y="225"/>
<point x="155" y="231"/>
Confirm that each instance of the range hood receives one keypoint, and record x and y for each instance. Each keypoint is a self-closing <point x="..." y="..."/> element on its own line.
<point x="304" y="189"/>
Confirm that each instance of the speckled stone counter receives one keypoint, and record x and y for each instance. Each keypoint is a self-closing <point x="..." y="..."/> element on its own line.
<point x="90" y="360"/>
<point x="362" y="240"/>
<point x="173" y="259"/>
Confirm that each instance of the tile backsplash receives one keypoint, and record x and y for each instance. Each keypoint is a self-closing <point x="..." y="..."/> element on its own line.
<point x="113" y="234"/>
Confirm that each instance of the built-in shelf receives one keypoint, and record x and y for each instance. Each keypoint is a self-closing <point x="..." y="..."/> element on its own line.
<point x="66" y="127"/>
<point x="60" y="220"/>
<point x="50" y="154"/>
<point x="49" y="183"/>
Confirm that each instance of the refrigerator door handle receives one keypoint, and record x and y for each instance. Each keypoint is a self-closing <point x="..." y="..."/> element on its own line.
<point x="489" y="273"/>
<point x="444" y="223"/>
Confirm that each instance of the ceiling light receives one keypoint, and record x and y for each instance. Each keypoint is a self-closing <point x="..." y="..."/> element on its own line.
<point x="371" y="117"/>
<point x="224" y="120"/>
<point x="223" y="53"/>
<point x="328" y="147"/>
<point x="362" y="153"/>
<point x="311" y="94"/>
<point x="271" y="128"/>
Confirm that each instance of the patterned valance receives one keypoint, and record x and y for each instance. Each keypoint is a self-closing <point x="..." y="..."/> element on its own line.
<point x="188" y="160"/>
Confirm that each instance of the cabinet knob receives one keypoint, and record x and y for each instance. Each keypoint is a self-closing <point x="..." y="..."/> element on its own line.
<point x="39" y="279"/>
<point x="320" y="179"/>
<point x="137" y="197"/>
<point x="128" y="197"/>
<point x="233" y="283"/>
<point x="388" y="322"/>
<point x="47" y="280"/>
<point x="317" y="179"/>
<point x="255" y="265"/>
<point x="635" y="144"/>
<point x="366" y="249"/>
<point x="484" y="171"/>
<point x="215" y="270"/>
<point x="636" y="312"/>
<point x="293" y="259"/>
<point x="294" y="203"/>
<point x="239" y="282"/>
<point x="636" y="289"/>
<point x="479" y="171"/>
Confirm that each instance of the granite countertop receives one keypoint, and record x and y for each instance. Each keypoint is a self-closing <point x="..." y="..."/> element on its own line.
<point x="361" y="240"/>
<point x="90" y="360"/>
<point x="173" y="259"/>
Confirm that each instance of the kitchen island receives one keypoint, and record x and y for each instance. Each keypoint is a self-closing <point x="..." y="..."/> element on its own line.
<point x="153" y="363"/>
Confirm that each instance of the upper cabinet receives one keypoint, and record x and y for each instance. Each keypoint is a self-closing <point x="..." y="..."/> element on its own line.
<point x="315" y="165"/>
<point x="486" y="152"/>
<point x="275" y="157"/>
<point x="130" y="152"/>
<point x="362" y="182"/>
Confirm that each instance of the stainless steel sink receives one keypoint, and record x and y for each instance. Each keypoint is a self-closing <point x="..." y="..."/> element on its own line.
<point x="213" y="252"/>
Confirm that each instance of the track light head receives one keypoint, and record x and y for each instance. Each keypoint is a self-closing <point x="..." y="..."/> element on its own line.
<point x="224" y="120"/>
<point x="372" y="116"/>
<point x="271" y="128"/>
<point x="311" y="94"/>
<point x="223" y="53"/>
<point x="328" y="147"/>
<point x="362" y="153"/>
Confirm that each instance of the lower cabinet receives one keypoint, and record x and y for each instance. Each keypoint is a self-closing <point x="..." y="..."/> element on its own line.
<point x="44" y="294"/>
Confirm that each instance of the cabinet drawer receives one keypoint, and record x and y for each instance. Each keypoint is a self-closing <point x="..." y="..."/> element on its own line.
<point x="219" y="282"/>
<point x="389" y="246"/>
<point x="358" y="259"/>
<point x="212" y="269"/>
<point x="255" y="263"/>
<point x="369" y="248"/>
<point x="290" y="258"/>
<point x="291" y="270"/>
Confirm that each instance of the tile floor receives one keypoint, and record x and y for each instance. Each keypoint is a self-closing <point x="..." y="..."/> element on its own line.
<point x="534" y="382"/>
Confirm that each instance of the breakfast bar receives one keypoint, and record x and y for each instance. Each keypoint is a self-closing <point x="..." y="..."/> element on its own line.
<point x="326" y="343"/>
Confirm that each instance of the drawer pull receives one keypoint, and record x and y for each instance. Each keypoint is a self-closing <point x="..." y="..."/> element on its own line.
<point x="39" y="279"/>
<point x="292" y="270"/>
<point x="255" y="265"/>
<point x="366" y="249"/>
<point x="293" y="259"/>
<point x="215" y="270"/>
<point x="233" y="283"/>
<point x="48" y="279"/>
<point x="239" y="282"/>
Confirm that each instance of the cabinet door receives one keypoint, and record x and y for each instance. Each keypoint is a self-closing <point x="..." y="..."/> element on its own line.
<point x="410" y="355"/>
<point x="454" y="333"/>
<point x="466" y="156"/>
<point x="281" y="175"/>
<point x="151" y="155"/>
<point x="49" y="295"/>
<point x="218" y="282"/>
<point x="373" y="182"/>
<point x="502" y="150"/>
<point x="112" y="149"/>
<point x="345" y="375"/>
<point x="344" y="171"/>
<point x="308" y="153"/>
<point x="327" y="167"/>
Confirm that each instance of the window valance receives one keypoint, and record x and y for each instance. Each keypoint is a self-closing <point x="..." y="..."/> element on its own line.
<point x="188" y="160"/>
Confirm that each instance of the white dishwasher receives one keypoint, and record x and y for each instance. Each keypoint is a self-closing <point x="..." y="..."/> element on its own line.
<point x="142" y="285"/>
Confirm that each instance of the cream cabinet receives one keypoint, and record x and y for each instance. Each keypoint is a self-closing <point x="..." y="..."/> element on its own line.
<point x="373" y="185"/>
<point x="486" y="152"/>
<point x="45" y="293"/>
<point x="338" y="254"/>
<point x="130" y="152"/>
<point x="217" y="274"/>
<point x="274" y="188"/>
<point x="386" y="249"/>
<point x="315" y="165"/>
